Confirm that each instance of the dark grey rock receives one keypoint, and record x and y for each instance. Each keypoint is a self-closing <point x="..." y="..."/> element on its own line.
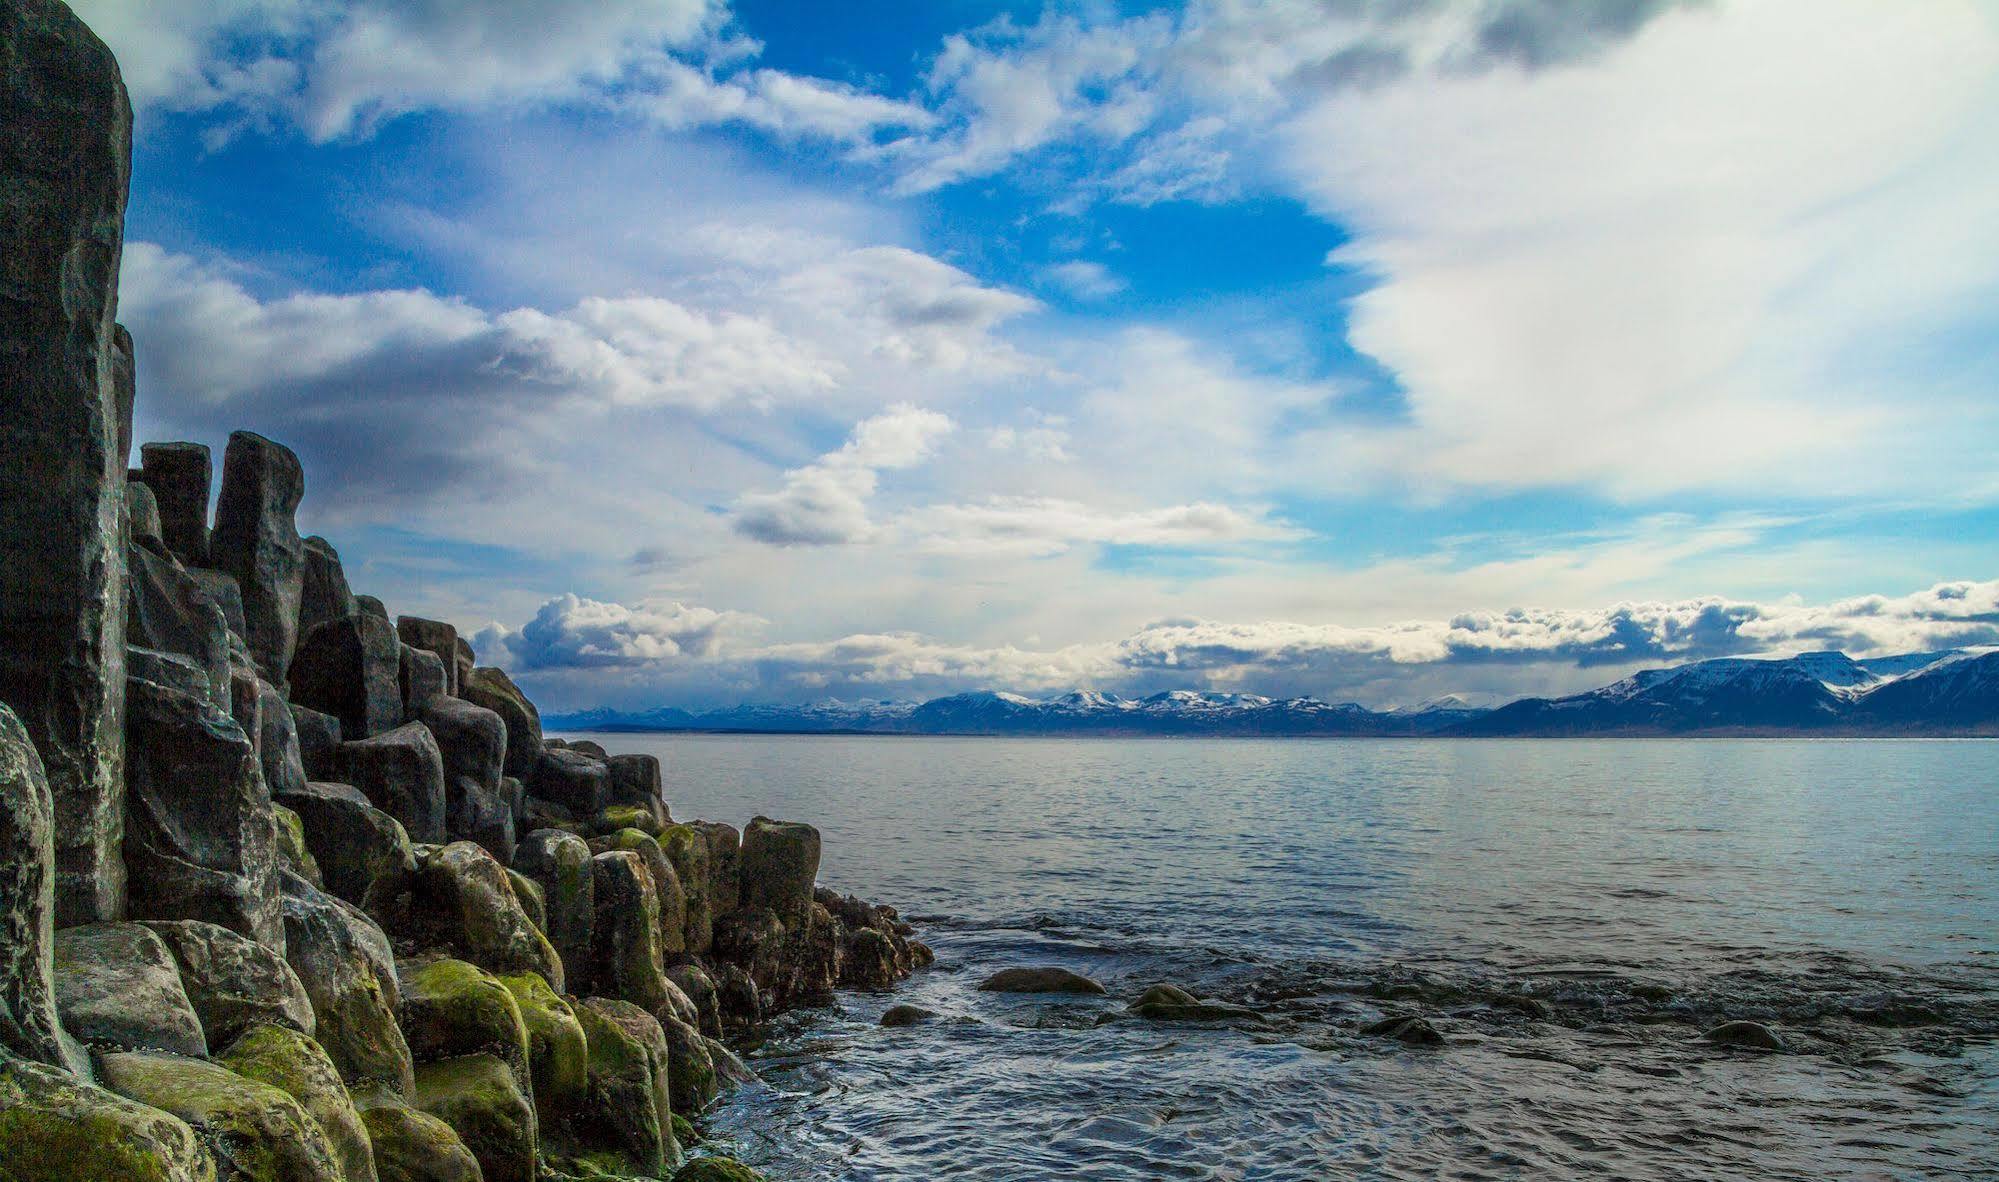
<point x="401" y="772"/>
<point x="168" y="610"/>
<point x="780" y="864"/>
<point x="462" y="661"/>
<point x="65" y="149"/>
<point x="28" y="1024"/>
<point x="694" y="981"/>
<point x="1751" y="1035"/>
<point x="493" y="689"/>
<point x="364" y="854"/>
<point x="634" y="779"/>
<point x="561" y="864"/>
<point x="180" y="475"/>
<point x="256" y="539"/>
<point x="117" y="986"/>
<point x="626" y="958"/>
<point x="143" y="512"/>
<point x="318" y="742"/>
<point x="1411" y="1031"/>
<point x="423" y="679"/>
<point x="222" y="588"/>
<point x="125" y="383"/>
<point x="351" y="668"/>
<point x="906" y="1015"/>
<point x="323" y="595"/>
<point x="571" y="779"/>
<point x="349" y="972"/>
<point x="591" y="748"/>
<point x="233" y="983"/>
<point x="463" y="900"/>
<point x="277" y="742"/>
<point x="1042" y="979"/>
<point x="473" y="742"/>
<point x="725" y="859"/>
<point x="433" y="636"/>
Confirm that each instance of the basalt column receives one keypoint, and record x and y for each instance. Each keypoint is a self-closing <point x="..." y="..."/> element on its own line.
<point x="65" y="160"/>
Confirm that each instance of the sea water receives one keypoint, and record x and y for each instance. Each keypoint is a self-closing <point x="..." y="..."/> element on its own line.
<point x="1570" y="915"/>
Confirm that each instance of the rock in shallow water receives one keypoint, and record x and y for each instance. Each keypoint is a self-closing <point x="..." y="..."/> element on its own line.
<point x="906" y="1015"/>
<point x="1045" y="979"/>
<point x="1415" y="1032"/>
<point x="1750" y="1035"/>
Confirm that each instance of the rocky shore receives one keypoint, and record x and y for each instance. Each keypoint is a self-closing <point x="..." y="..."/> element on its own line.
<point x="292" y="891"/>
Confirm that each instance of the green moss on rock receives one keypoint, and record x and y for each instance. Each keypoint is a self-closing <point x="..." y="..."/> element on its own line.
<point x="483" y="1103"/>
<point x="627" y="816"/>
<point x="255" y="1132"/>
<point x="557" y="1053"/>
<point x="292" y="850"/>
<point x="716" y="1169"/>
<point x="452" y="1008"/>
<point x="55" y="1128"/>
<point x="294" y="1064"/>
<point x="412" y="1146"/>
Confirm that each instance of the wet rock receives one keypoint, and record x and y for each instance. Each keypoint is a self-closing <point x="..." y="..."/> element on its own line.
<point x="143" y="512"/>
<point x="629" y="1110"/>
<point x="1043" y="979"/>
<point x="751" y="939"/>
<point x="422" y="679"/>
<point x="1170" y="1003"/>
<point x="668" y="890"/>
<point x="473" y="743"/>
<point x="318" y="742"/>
<point x="906" y="1015"/>
<point x="626" y="956"/>
<point x="179" y="476"/>
<point x="687" y="848"/>
<point x="571" y="779"/>
<point x="167" y="610"/>
<point x="691" y="1074"/>
<point x="737" y="995"/>
<point x="462" y="900"/>
<point x="351" y="668"/>
<point x="558" y="1058"/>
<point x="232" y="982"/>
<point x="323" y="591"/>
<point x="413" y="1146"/>
<point x="55" y="1128"/>
<point x="716" y="1169"/>
<point x="694" y="981"/>
<point x="344" y="962"/>
<point x="435" y="637"/>
<point x="451" y="1009"/>
<point x="256" y="539"/>
<point x="780" y="863"/>
<point x="401" y="772"/>
<point x="483" y="1103"/>
<point x="868" y="961"/>
<point x="28" y="1023"/>
<point x="65" y="147"/>
<point x="283" y="1058"/>
<point x="201" y="839"/>
<point x="116" y="985"/>
<point x="1750" y="1035"/>
<point x="1415" y="1032"/>
<point x="222" y="588"/>
<point x="255" y="1132"/>
<point x="561" y="864"/>
<point x="363" y="853"/>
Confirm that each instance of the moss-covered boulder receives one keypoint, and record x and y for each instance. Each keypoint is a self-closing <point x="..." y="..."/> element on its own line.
<point x="694" y="981"/>
<point x="666" y="884"/>
<point x="725" y="857"/>
<point x="452" y="1008"/>
<point x="297" y="1066"/>
<point x="630" y="1110"/>
<point x="117" y="987"/>
<point x="627" y="961"/>
<point x="482" y="1101"/>
<point x="413" y="1146"/>
<point x="255" y="1132"/>
<point x="716" y="1169"/>
<point x="56" y="1128"/>
<point x="628" y="816"/>
<point x="557" y="1054"/>
<point x="363" y="854"/>
<point x="780" y="863"/>
<point x="349" y="974"/>
<point x="293" y="853"/>
<point x="463" y="901"/>
<point x="691" y="1067"/>
<point x="559" y="863"/>
<point x="532" y="901"/>
<point x="687" y="848"/>
<point x="233" y="982"/>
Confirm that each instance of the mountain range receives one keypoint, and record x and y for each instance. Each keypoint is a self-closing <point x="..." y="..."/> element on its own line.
<point x="1823" y="693"/>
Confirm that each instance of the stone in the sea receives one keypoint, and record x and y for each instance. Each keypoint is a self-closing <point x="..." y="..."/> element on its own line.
<point x="413" y="1146"/>
<point x="1170" y="1003"/>
<point x="493" y="689"/>
<point x="571" y="779"/>
<point x="28" y="1023"/>
<point x="233" y="982"/>
<point x="1415" y="1032"/>
<point x="255" y="1132"/>
<point x="906" y="1015"/>
<point x="561" y="863"/>
<point x="630" y="1109"/>
<point x="363" y="853"/>
<point x="256" y="539"/>
<point x="56" y="1128"/>
<point x="117" y="986"/>
<point x="202" y="839"/>
<point x="344" y="961"/>
<point x="283" y="1058"/>
<point x="401" y="772"/>
<point x="1043" y="979"/>
<point x="435" y="637"/>
<point x="868" y="961"/>
<point x="179" y="474"/>
<point x="1752" y="1035"/>
<point x="65" y="151"/>
<point x="473" y="743"/>
<point x="480" y="1099"/>
<point x="780" y="862"/>
<point x="351" y="668"/>
<point x="323" y="591"/>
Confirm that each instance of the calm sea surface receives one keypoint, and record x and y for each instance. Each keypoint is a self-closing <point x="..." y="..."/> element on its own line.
<point x="1571" y="916"/>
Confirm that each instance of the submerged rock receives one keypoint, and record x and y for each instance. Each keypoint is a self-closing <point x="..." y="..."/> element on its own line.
<point x="1044" y="979"/>
<point x="56" y="1128"/>
<point x="1750" y="1035"/>
<point x="716" y="1169"/>
<point x="1415" y="1032"/>
<point x="906" y="1015"/>
<point x="1170" y="1003"/>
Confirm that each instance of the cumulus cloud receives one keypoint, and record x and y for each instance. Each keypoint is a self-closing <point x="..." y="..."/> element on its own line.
<point x="826" y="503"/>
<point x="910" y="308"/>
<point x="570" y="632"/>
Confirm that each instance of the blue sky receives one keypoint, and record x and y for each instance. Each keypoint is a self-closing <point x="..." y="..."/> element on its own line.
<point x="692" y="352"/>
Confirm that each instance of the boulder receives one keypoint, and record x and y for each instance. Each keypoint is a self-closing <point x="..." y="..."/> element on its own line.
<point x="462" y="661"/>
<point x="351" y="668"/>
<point x="1042" y="979"/>
<point x="1750" y="1035"/>
<point x="293" y="854"/>
<point x="630" y="1108"/>
<point x="256" y="539"/>
<point x="691" y="1068"/>
<point x="117" y="986"/>
<point x="277" y="742"/>
<point x="233" y="983"/>
<point x="125" y="386"/>
<point x="168" y="610"/>
<point x="716" y="1169"/>
<point x="452" y="1009"/>
<point x="323" y="592"/>
<point x="591" y="748"/>
<point x="634" y="779"/>
<point x="754" y="941"/>
<point x="906" y="1015"/>
<point x="473" y="743"/>
<point x="283" y="1058"/>
<point x="344" y="962"/>
<point x="179" y="476"/>
<point x="666" y="885"/>
<point x="435" y="637"/>
<point x="363" y="853"/>
<point x="693" y="981"/>
<point x="483" y="1103"/>
<point x="65" y="149"/>
<point x="736" y="992"/>
<point x="560" y="863"/>
<point x="646" y="820"/>
<point x="867" y="961"/>
<point x="687" y="848"/>
<point x="422" y="679"/>
<point x="255" y="1132"/>
<point x="318" y="742"/>
<point x="222" y="588"/>
<point x="557" y="1053"/>
<point x="780" y="863"/>
<point x="201" y="839"/>
<point x="1403" y="1028"/>
<point x="401" y="772"/>
<point x="532" y="901"/>
<point x="413" y="1146"/>
<point x="626" y="950"/>
<point x="246" y="698"/>
<point x="462" y="900"/>
<point x="371" y="606"/>
<point x="56" y="1128"/>
<point x="725" y="860"/>
<point x="494" y="690"/>
<point x="571" y="779"/>
<point x="143" y="514"/>
<point x="1170" y="1003"/>
<point x="28" y="1023"/>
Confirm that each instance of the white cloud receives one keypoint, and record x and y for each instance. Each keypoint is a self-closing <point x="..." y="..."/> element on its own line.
<point x="1049" y="525"/>
<point x="910" y="308"/>
<point x="678" y="95"/>
<point x="572" y="632"/>
<point x="1084" y="279"/>
<point x="826" y="503"/>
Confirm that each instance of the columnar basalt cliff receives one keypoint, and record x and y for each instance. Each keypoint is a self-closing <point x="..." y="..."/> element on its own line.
<point x="289" y="891"/>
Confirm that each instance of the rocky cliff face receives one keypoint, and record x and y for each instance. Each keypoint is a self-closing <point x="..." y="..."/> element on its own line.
<point x="377" y="928"/>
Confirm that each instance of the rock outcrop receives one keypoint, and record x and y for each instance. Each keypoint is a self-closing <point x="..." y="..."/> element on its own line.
<point x="256" y="539"/>
<point x="180" y="476"/>
<point x="29" y="1027"/>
